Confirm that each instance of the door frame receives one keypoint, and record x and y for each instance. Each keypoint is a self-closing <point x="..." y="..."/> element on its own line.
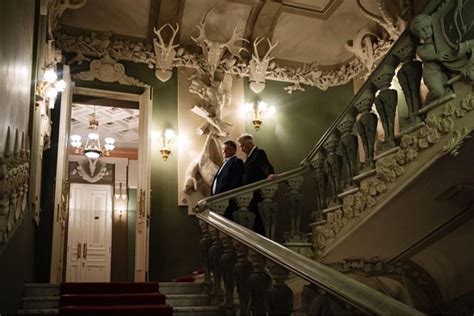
<point x="59" y="238"/>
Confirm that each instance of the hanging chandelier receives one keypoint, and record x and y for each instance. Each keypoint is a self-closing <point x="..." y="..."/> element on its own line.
<point x="92" y="148"/>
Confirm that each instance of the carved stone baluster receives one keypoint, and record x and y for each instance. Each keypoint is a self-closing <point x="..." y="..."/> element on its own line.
<point x="409" y="77"/>
<point x="333" y="168"/>
<point x="366" y="126"/>
<point x="5" y="187"/>
<point x="243" y="216"/>
<point x="386" y="103"/>
<point x="321" y="181"/>
<point x="219" y="207"/>
<point x="215" y="253"/>
<point x="205" y="244"/>
<point x="315" y="301"/>
<point x="242" y="272"/>
<point x="280" y="296"/>
<point x="260" y="283"/>
<point x="268" y="210"/>
<point x="15" y="192"/>
<point x="295" y="204"/>
<point x="228" y="261"/>
<point x="348" y="150"/>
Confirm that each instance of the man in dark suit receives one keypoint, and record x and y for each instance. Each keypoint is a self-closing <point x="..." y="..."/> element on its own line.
<point x="257" y="167"/>
<point x="229" y="175"/>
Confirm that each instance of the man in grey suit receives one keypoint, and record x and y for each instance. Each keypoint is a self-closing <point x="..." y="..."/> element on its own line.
<point x="257" y="167"/>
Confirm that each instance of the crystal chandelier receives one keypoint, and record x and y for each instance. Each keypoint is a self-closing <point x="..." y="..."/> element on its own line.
<point x="92" y="148"/>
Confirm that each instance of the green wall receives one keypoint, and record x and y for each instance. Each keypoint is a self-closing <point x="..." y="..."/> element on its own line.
<point x="131" y="221"/>
<point x="300" y="120"/>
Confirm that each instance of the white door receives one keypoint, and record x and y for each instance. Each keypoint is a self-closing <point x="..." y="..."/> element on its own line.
<point x="89" y="233"/>
<point x="143" y="188"/>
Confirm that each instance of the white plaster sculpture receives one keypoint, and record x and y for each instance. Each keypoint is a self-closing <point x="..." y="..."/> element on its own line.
<point x="165" y="53"/>
<point x="362" y="46"/>
<point x="258" y="66"/>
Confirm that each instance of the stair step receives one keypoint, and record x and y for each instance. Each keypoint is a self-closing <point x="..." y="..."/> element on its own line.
<point x="40" y="302"/>
<point x="112" y="299"/>
<point x="46" y="311"/>
<point x="41" y="289"/>
<point x="197" y="310"/>
<point x="180" y="300"/>
<point x="143" y="310"/>
<point x="109" y="288"/>
<point x="168" y="288"/>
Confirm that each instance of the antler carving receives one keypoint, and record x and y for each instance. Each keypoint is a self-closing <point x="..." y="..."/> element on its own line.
<point x="258" y="66"/>
<point x="393" y="28"/>
<point x="214" y="51"/>
<point x="165" y="52"/>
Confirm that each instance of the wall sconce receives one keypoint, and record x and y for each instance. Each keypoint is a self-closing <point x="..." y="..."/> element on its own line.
<point x="50" y="86"/>
<point x="258" y="109"/>
<point x="166" y="139"/>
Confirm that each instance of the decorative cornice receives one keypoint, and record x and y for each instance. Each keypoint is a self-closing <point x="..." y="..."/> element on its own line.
<point x="95" y="45"/>
<point x="108" y="70"/>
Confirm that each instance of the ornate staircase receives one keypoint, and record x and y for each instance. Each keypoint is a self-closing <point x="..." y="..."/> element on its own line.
<point x="360" y="183"/>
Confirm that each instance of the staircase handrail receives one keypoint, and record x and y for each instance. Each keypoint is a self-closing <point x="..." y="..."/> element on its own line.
<point x="348" y="290"/>
<point x="203" y="204"/>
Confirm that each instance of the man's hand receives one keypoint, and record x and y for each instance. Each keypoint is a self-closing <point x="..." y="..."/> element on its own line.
<point x="272" y="176"/>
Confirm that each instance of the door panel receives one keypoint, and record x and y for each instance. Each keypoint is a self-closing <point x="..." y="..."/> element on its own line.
<point x="90" y="231"/>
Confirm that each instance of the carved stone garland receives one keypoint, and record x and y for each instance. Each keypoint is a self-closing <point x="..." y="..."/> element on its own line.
<point x="14" y="180"/>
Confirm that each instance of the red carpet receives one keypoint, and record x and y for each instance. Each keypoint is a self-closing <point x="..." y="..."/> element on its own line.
<point x="113" y="299"/>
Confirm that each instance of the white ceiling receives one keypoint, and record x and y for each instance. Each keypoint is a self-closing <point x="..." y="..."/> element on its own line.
<point x="118" y="123"/>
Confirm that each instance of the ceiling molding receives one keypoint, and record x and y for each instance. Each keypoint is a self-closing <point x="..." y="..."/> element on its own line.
<point x="322" y="14"/>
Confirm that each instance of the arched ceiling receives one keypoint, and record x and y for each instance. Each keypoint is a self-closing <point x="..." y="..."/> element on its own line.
<point x="307" y="30"/>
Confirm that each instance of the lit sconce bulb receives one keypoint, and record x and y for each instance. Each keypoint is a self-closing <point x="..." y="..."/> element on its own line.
<point x="262" y="106"/>
<point x="76" y="141"/>
<point x="60" y="85"/>
<point x="248" y="107"/>
<point x="51" y="93"/>
<point x="50" y="75"/>
<point x="93" y="136"/>
<point x="167" y="138"/>
<point x="271" y="110"/>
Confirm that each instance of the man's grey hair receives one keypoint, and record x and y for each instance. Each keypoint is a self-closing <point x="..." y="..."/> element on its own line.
<point x="245" y="137"/>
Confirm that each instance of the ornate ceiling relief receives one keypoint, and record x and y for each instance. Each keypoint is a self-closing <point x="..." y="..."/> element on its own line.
<point x="164" y="55"/>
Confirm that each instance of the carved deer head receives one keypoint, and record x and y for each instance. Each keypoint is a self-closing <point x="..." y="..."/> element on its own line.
<point x="213" y="51"/>
<point x="164" y="52"/>
<point x="258" y="66"/>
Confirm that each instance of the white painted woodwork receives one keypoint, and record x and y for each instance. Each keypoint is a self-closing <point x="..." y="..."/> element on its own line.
<point x="57" y="249"/>
<point x="143" y="188"/>
<point x="89" y="233"/>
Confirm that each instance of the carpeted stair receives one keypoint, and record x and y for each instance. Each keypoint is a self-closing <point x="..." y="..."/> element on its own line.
<point x="113" y="299"/>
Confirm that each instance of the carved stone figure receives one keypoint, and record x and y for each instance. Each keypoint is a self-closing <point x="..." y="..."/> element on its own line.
<point x="333" y="168"/>
<point x="321" y="180"/>
<point x="366" y="126"/>
<point x="433" y="75"/>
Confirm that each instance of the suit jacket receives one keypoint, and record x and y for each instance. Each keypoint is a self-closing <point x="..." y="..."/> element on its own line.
<point x="257" y="167"/>
<point x="230" y="176"/>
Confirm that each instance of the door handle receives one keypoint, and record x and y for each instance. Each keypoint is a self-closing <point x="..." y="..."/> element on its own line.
<point x="84" y="250"/>
<point x="79" y="246"/>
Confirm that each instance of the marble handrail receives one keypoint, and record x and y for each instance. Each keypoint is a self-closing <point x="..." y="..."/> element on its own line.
<point x="350" y="291"/>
